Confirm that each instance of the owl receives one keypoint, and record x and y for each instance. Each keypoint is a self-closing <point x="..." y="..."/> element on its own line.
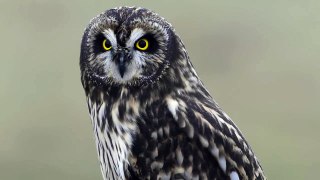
<point x="152" y="116"/>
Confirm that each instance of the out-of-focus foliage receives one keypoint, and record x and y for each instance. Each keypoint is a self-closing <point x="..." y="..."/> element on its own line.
<point x="259" y="59"/>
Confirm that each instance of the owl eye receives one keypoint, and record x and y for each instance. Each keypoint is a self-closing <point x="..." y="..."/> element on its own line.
<point x="142" y="44"/>
<point x="106" y="44"/>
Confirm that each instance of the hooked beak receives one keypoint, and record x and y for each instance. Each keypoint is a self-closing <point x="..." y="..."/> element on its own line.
<point x="121" y="59"/>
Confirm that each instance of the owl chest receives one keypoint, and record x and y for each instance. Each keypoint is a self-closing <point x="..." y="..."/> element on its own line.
<point x="114" y="126"/>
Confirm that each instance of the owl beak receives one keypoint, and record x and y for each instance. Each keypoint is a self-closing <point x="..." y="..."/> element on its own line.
<point x="121" y="59"/>
<point x="121" y="64"/>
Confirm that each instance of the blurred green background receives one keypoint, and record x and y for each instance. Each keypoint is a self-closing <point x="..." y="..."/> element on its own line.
<point x="259" y="59"/>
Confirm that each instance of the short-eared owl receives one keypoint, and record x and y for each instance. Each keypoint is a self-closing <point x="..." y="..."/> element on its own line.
<point x="152" y="117"/>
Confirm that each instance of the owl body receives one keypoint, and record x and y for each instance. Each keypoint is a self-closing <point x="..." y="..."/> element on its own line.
<point x="152" y="117"/>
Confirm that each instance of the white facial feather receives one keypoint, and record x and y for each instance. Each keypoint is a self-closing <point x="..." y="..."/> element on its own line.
<point x="133" y="69"/>
<point x="135" y="35"/>
<point x="109" y="34"/>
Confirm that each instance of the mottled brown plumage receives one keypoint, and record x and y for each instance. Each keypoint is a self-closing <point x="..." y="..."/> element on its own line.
<point x="152" y="117"/>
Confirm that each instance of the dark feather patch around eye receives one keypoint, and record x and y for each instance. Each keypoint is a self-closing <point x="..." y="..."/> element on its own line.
<point x="98" y="44"/>
<point x="153" y="43"/>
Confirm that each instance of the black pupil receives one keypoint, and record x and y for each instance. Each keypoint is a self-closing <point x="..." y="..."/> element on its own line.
<point x="108" y="44"/>
<point x="142" y="43"/>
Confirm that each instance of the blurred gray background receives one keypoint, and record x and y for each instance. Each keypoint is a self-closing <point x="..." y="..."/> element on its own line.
<point x="259" y="59"/>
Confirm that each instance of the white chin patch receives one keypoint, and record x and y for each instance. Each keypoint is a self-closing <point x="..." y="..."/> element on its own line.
<point x="132" y="71"/>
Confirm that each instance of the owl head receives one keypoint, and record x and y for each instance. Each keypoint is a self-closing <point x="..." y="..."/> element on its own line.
<point x="128" y="46"/>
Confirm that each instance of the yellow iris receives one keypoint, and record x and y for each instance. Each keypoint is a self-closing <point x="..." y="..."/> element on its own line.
<point x="106" y="45"/>
<point x="142" y="44"/>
